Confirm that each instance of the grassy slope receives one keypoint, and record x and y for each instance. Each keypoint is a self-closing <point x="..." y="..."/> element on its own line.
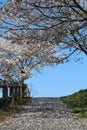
<point x="77" y="102"/>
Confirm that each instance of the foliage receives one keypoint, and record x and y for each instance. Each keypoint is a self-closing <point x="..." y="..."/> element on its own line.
<point x="77" y="102"/>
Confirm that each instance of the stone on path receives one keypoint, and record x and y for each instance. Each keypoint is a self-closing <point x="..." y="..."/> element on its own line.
<point x="45" y="114"/>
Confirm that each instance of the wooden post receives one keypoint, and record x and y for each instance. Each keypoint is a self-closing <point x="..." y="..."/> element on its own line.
<point x="5" y="89"/>
<point x="23" y="91"/>
<point x="20" y="92"/>
<point x="5" y="93"/>
<point x="17" y="92"/>
<point x="26" y="92"/>
<point x="20" y="89"/>
<point x="11" y="90"/>
<point x="12" y="93"/>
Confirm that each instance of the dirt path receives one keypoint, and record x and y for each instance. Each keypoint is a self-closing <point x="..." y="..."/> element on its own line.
<point x="45" y="114"/>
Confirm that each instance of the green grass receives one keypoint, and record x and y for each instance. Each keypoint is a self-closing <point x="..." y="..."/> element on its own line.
<point x="77" y="102"/>
<point x="6" y="112"/>
<point x="12" y="108"/>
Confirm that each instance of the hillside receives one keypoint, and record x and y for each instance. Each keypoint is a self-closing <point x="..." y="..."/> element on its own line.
<point x="77" y="102"/>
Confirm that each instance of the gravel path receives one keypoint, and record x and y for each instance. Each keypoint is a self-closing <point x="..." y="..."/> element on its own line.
<point x="45" y="114"/>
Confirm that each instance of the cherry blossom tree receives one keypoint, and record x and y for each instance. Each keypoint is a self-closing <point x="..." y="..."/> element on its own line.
<point x="43" y="32"/>
<point x="62" y="22"/>
<point x="29" y="46"/>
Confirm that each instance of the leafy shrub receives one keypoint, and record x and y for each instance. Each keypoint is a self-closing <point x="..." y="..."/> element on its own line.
<point x="77" y="102"/>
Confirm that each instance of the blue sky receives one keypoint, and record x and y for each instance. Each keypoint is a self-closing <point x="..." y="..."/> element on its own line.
<point x="64" y="79"/>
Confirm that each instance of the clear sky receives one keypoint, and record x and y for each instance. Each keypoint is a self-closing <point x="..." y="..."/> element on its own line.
<point x="64" y="79"/>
